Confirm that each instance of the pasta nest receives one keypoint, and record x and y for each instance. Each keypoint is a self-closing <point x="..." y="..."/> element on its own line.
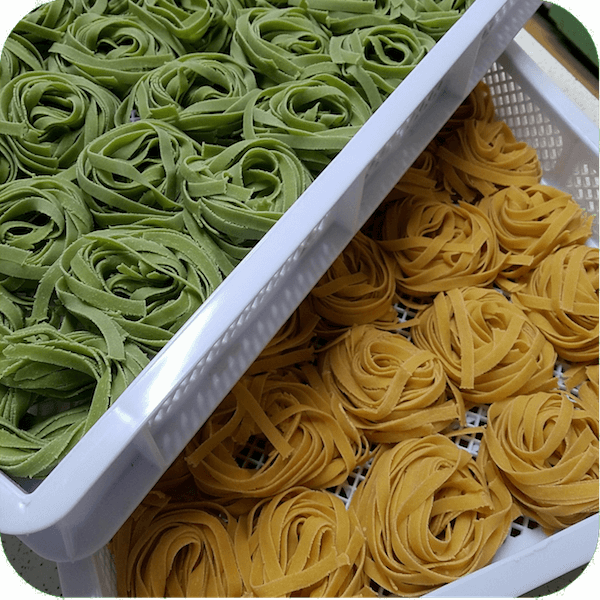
<point x="484" y="156"/>
<point x="390" y="388"/>
<point x="177" y="550"/>
<point x="438" y="245"/>
<point x="561" y="297"/>
<point x="431" y="514"/>
<point x="488" y="346"/>
<point x="272" y="432"/>
<point x="305" y="543"/>
<point x="358" y="288"/>
<point x="531" y="224"/>
<point x="546" y="446"/>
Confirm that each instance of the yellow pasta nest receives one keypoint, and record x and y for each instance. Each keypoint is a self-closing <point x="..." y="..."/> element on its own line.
<point x="272" y="432"/>
<point x="477" y="106"/>
<point x="431" y="514"/>
<point x="176" y="550"/>
<point x="302" y="543"/>
<point x="546" y="446"/>
<point x="292" y="344"/>
<point x="532" y="223"/>
<point x="391" y="389"/>
<point x="358" y="288"/>
<point x="561" y="297"/>
<point x="439" y="245"/>
<point x="488" y="346"/>
<point x="483" y="157"/>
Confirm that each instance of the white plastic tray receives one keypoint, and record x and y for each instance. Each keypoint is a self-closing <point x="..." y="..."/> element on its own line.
<point x="567" y="143"/>
<point x="80" y="505"/>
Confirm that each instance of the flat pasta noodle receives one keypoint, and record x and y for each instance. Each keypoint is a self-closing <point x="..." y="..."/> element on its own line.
<point x="237" y="193"/>
<point x="201" y="93"/>
<point x="131" y="284"/>
<point x="489" y="347"/>
<point x="316" y="116"/>
<point x="431" y="514"/>
<point x="546" y="447"/>
<point x="358" y="288"/>
<point x="390" y="388"/>
<point x="172" y="549"/>
<point x="281" y="44"/>
<point x="200" y="25"/>
<point x="294" y="343"/>
<point x="561" y="297"/>
<point x="55" y="385"/>
<point x="438" y="245"/>
<point x="39" y="217"/>
<point x="434" y="17"/>
<point x="478" y="106"/>
<point x="531" y="223"/>
<point x="378" y="58"/>
<point x="584" y="378"/>
<point x="115" y="51"/>
<point x="302" y="542"/>
<point x="19" y="55"/>
<point x="483" y="157"/>
<point x="47" y="119"/>
<point x="133" y="174"/>
<point x="284" y="430"/>
<point x="344" y="16"/>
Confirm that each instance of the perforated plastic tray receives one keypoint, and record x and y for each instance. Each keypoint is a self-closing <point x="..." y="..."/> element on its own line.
<point x="567" y="144"/>
<point x="80" y="505"/>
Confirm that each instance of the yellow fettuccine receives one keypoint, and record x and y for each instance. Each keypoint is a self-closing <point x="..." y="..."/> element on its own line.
<point x="431" y="514"/>
<point x="488" y="346"/>
<point x="389" y="388"/>
<point x="302" y="542"/>
<point x="561" y="297"/>
<point x="546" y="446"/>
<point x="293" y="434"/>
<point x="170" y="549"/>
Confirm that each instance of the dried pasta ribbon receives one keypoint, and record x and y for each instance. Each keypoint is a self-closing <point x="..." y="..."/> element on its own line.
<point x="47" y="119"/>
<point x="55" y="386"/>
<point x="358" y="288"/>
<point x="546" y="446"/>
<point x="435" y="17"/>
<point x="438" y="245"/>
<point x="12" y="307"/>
<point x="431" y="514"/>
<point x="561" y="297"/>
<point x="379" y="58"/>
<point x="344" y="16"/>
<point x="39" y="218"/>
<point x="477" y="106"/>
<point x="488" y="346"/>
<point x="237" y="193"/>
<point x="531" y="223"/>
<point x="281" y="44"/>
<point x="139" y="284"/>
<point x="200" y="25"/>
<point x="47" y="22"/>
<point x="201" y="93"/>
<point x="390" y="388"/>
<point x="19" y="56"/>
<point x="289" y="424"/>
<point x="483" y="157"/>
<point x="316" y="116"/>
<point x="170" y="549"/>
<point x="293" y="344"/>
<point x="302" y="542"/>
<point x="112" y="50"/>
<point x="133" y="174"/>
